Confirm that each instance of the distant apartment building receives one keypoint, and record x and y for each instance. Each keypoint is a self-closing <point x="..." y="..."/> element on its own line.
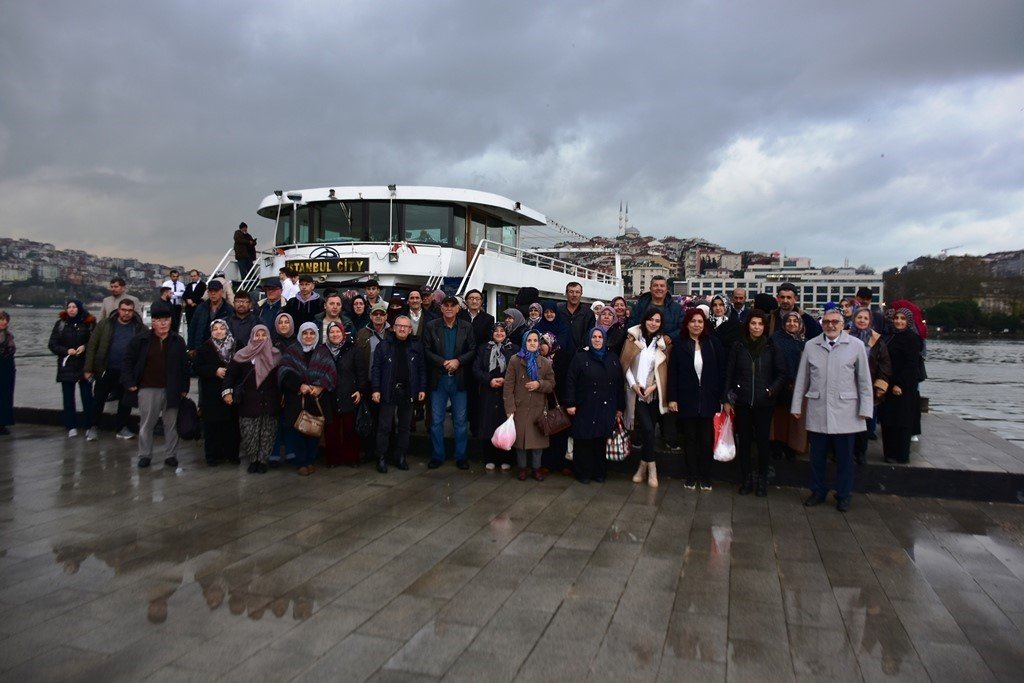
<point x="815" y="287"/>
<point x="637" y="276"/>
<point x="9" y="274"/>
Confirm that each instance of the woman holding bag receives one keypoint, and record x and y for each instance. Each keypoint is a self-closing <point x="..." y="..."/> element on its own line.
<point x="595" y="400"/>
<point x="528" y="381"/>
<point x="645" y="355"/>
<point x="253" y="373"/>
<point x="307" y="371"/>
<point x="489" y="373"/>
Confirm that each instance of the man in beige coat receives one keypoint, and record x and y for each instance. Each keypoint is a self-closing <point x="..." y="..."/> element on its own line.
<point x="835" y="380"/>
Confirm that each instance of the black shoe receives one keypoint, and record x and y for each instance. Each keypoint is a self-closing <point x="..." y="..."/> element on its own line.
<point x="382" y="466"/>
<point x="262" y="469"/>
<point x="274" y="464"/>
<point x="144" y="462"/>
<point x="402" y="464"/>
<point x="462" y="464"/>
<point x="690" y="484"/>
<point x="748" y="485"/>
<point x="171" y="461"/>
<point x="762" y="487"/>
<point x="843" y="504"/>
<point x="872" y="436"/>
<point x="434" y="464"/>
<point x="4" y="431"/>
<point x="599" y="480"/>
<point x="583" y="480"/>
<point x="890" y="461"/>
<point x="253" y="467"/>
<point x="813" y="500"/>
<point x="212" y="463"/>
<point x="234" y="460"/>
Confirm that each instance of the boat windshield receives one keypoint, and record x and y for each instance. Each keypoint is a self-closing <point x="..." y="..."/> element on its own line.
<point x="371" y="221"/>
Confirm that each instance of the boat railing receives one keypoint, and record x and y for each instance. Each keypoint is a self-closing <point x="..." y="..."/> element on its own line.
<point x="224" y="261"/>
<point x="532" y="258"/>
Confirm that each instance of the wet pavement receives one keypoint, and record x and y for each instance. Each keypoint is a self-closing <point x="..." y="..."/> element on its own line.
<point x="111" y="573"/>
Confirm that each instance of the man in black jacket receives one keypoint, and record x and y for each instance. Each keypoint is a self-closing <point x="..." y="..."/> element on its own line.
<point x="194" y="291"/>
<point x="245" y="250"/>
<point x="215" y="307"/>
<point x="155" y="370"/>
<point x="242" y="322"/>
<point x="578" y="318"/>
<point x="449" y="346"/>
<point x="103" y="358"/>
<point x="482" y="323"/>
<point x="398" y="378"/>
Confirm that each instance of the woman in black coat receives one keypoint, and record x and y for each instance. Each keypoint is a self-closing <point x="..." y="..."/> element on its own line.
<point x="696" y="378"/>
<point x="897" y="413"/>
<point x="68" y="340"/>
<point x="489" y="372"/>
<point x="554" y="455"/>
<point x="755" y="377"/>
<point x="220" y="421"/>
<point x="340" y="436"/>
<point x="595" y="399"/>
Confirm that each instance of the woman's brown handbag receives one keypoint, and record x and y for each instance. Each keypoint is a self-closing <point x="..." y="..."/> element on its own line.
<point x="553" y="421"/>
<point x="309" y="424"/>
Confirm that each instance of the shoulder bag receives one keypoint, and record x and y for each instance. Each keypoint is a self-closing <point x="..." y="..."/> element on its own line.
<point x="554" y="420"/>
<point x="307" y="423"/>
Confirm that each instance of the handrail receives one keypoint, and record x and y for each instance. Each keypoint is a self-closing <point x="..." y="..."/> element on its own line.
<point x="528" y="257"/>
<point x="220" y="264"/>
<point x="251" y="278"/>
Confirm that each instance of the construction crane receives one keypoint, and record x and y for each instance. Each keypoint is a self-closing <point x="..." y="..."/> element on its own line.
<point x="945" y="252"/>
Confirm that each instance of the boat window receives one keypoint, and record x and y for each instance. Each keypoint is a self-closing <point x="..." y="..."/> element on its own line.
<point x="428" y="224"/>
<point x="459" y="227"/>
<point x="284" y="228"/>
<point x="339" y="222"/>
<point x="381" y="225"/>
<point x="302" y="226"/>
<point x="479" y="233"/>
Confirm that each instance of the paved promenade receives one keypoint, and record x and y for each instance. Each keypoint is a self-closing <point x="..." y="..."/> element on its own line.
<point x="109" y="573"/>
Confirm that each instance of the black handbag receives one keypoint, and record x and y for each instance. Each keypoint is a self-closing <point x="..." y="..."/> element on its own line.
<point x="188" y="424"/>
<point x="554" y="420"/>
<point x="364" y="421"/>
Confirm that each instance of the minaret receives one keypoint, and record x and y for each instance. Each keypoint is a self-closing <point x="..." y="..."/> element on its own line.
<point x="627" y="217"/>
<point x="622" y="227"/>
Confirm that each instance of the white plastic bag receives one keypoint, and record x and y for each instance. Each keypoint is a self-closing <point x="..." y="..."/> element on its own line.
<point x="725" y="443"/>
<point x="505" y="435"/>
<point x="568" y="450"/>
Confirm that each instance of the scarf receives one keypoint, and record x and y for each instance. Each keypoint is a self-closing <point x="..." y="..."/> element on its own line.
<point x="335" y="349"/>
<point x="306" y="348"/>
<point x="277" y="336"/>
<point x="261" y="353"/>
<point x="599" y="353"/>
<point x="226" y="345"/>
<point x="358" y="321"/>
<point x="517" y="318"/>
<point x="318" y="369"/>
<point x="496" y="357"/>
<point x="799" y="336"/>
<point x="552" y="341"/>
<point x="80" y="316"/>
<point x="865" y="334"/>
<point x="532" y="371"/>
<point x="911" y="325"/>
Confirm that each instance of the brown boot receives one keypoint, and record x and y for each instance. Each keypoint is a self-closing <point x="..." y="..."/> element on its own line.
<point x="641" y="473"/>
<point x="652" y="475"/>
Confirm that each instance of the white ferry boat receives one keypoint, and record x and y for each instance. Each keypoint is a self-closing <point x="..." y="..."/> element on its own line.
<point x="414" y="236"/>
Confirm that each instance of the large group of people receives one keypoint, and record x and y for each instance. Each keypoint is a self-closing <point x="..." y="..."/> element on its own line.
<point x="371" y="369"/>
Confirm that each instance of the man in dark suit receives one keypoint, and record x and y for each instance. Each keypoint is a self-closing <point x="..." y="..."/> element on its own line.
<point x="482" y="323"/>
<point x="194" y="291"/>
<point x="449" y="346"/>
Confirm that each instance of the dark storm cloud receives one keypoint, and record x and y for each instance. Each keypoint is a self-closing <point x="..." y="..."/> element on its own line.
<point x="760" y="125"/>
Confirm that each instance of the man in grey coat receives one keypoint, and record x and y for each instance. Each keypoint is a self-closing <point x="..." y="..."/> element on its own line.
<point x="834" y="379"/>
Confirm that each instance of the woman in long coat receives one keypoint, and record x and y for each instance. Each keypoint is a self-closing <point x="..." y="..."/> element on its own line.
<point x="644" y="359"/>
<point x="489" y="372"/>
<point x="881" y="371"/>
<point x="220" y="420"/>
<point x="528" y="381"/>
<point x="340" y="436"/>
<point x="253" y="373"/>
<point x="553" y="459"/>
<point x="307" y="371"/>
<point x="696" y="376"/>
<point x="595" y="400"/>
<point x="789" y="434"/>
<point x="68" y="340"/>
<point x="7" y="373"/>
<point x="755" y="377"/>
<point x="897" y="412"/>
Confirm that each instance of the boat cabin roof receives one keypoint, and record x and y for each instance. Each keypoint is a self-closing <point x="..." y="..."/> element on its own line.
<point x="502" y="207"/>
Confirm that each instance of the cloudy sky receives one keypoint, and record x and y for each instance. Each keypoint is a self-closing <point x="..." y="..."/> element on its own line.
<point x="872" y="131"/>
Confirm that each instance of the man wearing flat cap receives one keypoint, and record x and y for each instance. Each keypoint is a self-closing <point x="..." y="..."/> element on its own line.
<point x="449" y="346"/>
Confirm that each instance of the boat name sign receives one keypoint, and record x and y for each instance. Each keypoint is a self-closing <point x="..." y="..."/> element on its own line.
<point x="329" y="266"/>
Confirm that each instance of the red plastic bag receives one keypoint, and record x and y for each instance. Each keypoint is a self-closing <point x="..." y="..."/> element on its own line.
<point x="725" y="443"/>
<point x="505" y="435"/>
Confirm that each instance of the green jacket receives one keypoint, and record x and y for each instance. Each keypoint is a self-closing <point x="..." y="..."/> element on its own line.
<point x="99" y="343"/>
